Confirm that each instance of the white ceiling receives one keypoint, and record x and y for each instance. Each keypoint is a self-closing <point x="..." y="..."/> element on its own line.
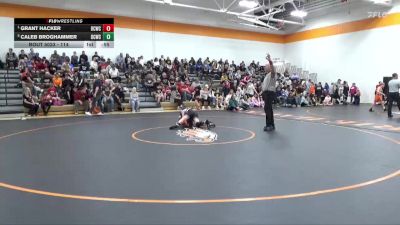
<point x="148" y="10"/>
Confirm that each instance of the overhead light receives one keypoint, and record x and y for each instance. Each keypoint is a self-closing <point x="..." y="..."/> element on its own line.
<point x="248" y="3"/>
<point x="299" y="13"/>
<point x="384" y="2"/>
<point x="169" y="2"/>
<point x="155" y="1"/>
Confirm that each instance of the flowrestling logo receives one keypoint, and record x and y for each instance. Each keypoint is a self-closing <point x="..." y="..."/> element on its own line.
<point x="198" y="135"/>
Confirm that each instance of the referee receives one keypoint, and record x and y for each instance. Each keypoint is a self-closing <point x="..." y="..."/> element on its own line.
<point x="268" y="94"/>
<point x="394" y="86"/>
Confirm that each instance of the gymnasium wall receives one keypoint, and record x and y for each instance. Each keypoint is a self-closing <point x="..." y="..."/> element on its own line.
<point x="362" y="51"/>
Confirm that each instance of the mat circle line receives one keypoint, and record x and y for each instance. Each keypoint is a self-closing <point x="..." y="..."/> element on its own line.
<point x="135" y="137"/>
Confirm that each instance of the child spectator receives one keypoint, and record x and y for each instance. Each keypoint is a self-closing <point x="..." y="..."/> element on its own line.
<point x="328" y="100"/>
<point x="134" y="99"/>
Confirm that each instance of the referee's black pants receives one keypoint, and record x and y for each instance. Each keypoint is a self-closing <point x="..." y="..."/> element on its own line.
<point x="393" y="96"/>
<point x="268" y="97"/>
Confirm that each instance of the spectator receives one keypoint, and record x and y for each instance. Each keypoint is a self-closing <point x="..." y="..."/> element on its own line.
<point x="113" y="73"/>
<point x="68" y="88"/>
<point x="84" y="68"/>
<point x="108" y="99"/>
<point x="58" y="83"/>
<point x="11" y="59"/>
<point x="30" y="102"/>
<point x="233" y="104"/>
<point x="134" y="99"/>
<point x="95" y="57"/>
<point x="22" y="55"/>
<point x="327" y="101"/>
<point x="83" y="56"/>
<point x="357" y="97"/>
<point x="81" y="98"/>
<point x="94" y="66"/>
<point x="62" y="59"/>
<point x="353" y="90"/>
<point x="119" y="96"/>
<point x="97" y="106"/>
<point x="31" y="54"/>
<point x="205" y="96"/>
<point x="55" y="57"/>
<point x="75" y="59"/>
<point x="120" y="60"/>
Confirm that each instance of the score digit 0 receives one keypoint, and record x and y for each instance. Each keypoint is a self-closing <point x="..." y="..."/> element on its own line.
<point x="108" y="36"/>
<point x="108" y="27"/>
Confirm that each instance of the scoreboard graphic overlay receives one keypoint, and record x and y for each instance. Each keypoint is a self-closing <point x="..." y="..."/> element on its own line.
<point x="64" y="33"/>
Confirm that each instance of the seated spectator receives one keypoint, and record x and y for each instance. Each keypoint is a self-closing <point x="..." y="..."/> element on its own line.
<point x="94" y="66"/>
<point x="113" y="73"/>
<point x="219" y="101"/>
<point x="53" y="67"/>
<point x="159" y="96"/>
<point x="205" y="97"/>
<point x="233" y="104"/>
<point x="108" y="100"/>
<point x="175" y="96"/>
<point x="82" y="98"/>
<point x="303" y="101"/>
<point x="244" y="104"/>
<point x="62" y="59"/>
<point x="48" y="99"/>
<point x="327" y="101"/>
<point x="66" y="67"/>
<point x="149" y="81"/>
<point x="55" y="57"/>
<point x="31" y="54"/>
<point x="134" y="99"/>
<point x="84" y="68"/>
<point x="185" y="91"/>
<point x="30" y="102"/>
<point x="196" y="97"/>
<point x="26" y="78"/>
<point x="166" y="90"/>
<point x="58" y="83"/>
<point x="119" y="96"/>
<point x="82" y="57"/>
<point x="103" y="65"/>
<point x="250" y="90"/>
<point x="95" y="56"/>
<point x="291" y="100"/>
<point x="255" y="101"/>
<point x="75" y="59"/>
<point x="11" y="59"/>
<point x="22" y="55"/>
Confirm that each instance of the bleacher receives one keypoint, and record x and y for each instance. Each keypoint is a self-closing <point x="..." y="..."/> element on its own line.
<point x="10" y="93"/>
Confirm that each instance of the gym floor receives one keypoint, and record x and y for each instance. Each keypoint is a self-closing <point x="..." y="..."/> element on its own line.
<point x="333" y="165"/>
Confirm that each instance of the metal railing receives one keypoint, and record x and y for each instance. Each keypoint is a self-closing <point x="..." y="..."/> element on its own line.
<point x="6" y="80"/>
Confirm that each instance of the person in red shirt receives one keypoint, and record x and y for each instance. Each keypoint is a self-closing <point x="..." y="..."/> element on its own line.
<point x="312" y="93"/>
<point x="185" y="91"/>
<point x="81" y="98"/>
